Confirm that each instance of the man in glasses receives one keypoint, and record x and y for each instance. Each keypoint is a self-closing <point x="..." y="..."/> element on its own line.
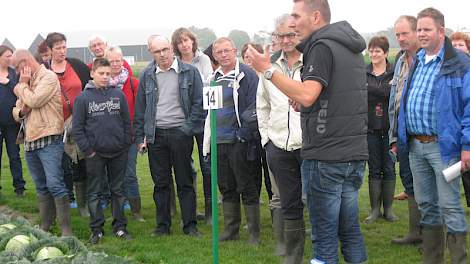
<point x="281" y="137"/>
<point x="236" y="144"/>
<point x="168" y="113"/>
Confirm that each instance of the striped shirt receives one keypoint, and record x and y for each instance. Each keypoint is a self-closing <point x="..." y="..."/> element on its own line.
<point x="41" y="143"/>
<point x="421" y="113"/>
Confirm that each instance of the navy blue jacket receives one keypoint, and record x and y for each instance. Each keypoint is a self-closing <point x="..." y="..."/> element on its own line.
<point x="101" y="121"/>
<point x="8" y="99"/>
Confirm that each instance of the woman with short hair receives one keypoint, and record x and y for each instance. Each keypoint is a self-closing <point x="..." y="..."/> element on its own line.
<point x="382" y="175"/>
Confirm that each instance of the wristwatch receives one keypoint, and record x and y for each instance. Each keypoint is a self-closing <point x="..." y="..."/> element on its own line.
<point x="268" y="74"/>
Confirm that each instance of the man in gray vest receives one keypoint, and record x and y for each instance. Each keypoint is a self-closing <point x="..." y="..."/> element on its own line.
<point x="333" y="103"/>
<point x="168" y="112"/>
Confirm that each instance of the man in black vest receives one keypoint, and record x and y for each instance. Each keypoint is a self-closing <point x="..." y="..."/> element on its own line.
<point x="333" y="103"/>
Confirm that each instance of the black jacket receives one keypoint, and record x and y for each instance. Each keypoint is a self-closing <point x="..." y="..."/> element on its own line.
<point x="334" y="128"/>
<point x="378" y="94"/>
<point x="101" y="121"/>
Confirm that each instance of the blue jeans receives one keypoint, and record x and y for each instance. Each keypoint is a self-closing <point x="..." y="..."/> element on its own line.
<point x="438" y="200"/>
<point x="9" y="133"/>
<point x="45" y="167"/>
<point x="405" y="171"/>
<point x="131" y="184"/>
<point x="332" y="193"/>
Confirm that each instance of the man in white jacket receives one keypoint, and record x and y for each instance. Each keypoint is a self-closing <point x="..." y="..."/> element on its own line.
<point x="281" y="136"/>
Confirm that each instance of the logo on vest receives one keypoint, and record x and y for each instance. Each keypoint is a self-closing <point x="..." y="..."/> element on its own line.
<point x="310" y="68"/>
<point x="321" y="118"/>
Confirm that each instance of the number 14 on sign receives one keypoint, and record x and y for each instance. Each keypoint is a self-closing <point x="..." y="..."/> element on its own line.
<point x="212" y="97"/>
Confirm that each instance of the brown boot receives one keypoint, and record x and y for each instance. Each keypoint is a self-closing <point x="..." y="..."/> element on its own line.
<point x="414" y="229"/>
<point x="80" y="196"/>
<point x="46" y="211"/>
<point x="136" y="204"/>
<point x="457" y="244"/>
<point x="63" y="215"/>
<point x="433" y="245"/>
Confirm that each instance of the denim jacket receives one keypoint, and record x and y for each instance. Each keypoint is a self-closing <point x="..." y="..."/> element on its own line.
<point x="452" y="100"/>
<point x="190" y="88"/>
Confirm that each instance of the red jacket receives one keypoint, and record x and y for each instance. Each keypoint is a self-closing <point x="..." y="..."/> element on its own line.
<point x="131" y="93"/>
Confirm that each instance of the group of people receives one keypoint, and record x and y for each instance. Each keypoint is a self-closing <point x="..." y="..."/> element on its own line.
<point x="306" y="114"/>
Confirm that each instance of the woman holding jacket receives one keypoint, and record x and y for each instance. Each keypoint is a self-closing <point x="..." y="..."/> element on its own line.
<point x="381" y="166"/>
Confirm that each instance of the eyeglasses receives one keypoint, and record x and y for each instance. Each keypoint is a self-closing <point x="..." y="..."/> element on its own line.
<point x="161" y="51"/>
<point x="225" y="51"/>
<point x="288" y="36"/>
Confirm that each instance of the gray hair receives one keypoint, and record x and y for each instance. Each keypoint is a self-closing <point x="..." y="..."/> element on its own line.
<point x="222" y="40"/>
<point x="152" y="38"/>
<point x="281" y="20"/>
<point x="116" y="49"/>
<point x="95" y="37"/>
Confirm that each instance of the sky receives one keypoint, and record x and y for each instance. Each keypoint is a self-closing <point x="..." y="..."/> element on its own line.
<point x="23" y="20"/>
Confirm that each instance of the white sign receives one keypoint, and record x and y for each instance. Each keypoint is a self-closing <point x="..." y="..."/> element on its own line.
<point x="212" y="97"/>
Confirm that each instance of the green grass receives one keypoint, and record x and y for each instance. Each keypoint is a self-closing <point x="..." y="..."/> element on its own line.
<point x="179" y="248"/>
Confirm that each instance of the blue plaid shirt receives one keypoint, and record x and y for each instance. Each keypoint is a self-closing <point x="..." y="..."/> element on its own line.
<point x="421" y="116"/>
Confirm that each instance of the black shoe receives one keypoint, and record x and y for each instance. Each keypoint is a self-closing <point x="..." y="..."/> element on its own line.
<point x="19" y="192"/>
<point x="193" y="233"/>
<point x="96" y="237"/>
<point x="158" y="232"/>
<point x="123" y="234"/>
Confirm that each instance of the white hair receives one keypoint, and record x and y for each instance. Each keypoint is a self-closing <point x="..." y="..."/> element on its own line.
<point x="281" y="20"/>
<point x="95" y="37"/>
<point x="116" y="49"/>
<point x="153" y="38"/>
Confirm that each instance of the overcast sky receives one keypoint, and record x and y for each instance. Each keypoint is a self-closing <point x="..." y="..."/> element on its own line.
<point x="23" y="20"/>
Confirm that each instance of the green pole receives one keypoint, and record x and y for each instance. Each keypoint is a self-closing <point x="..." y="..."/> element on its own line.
<point x="215" y="223"/>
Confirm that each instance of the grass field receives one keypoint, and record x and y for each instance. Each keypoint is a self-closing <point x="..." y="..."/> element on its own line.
<point x="181" y="249"/>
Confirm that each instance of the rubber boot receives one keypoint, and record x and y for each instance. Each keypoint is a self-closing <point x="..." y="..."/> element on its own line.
<point x="80" y="194"/>
<point x="252" y="220"/>
<point x="375" y="197"/>
<point x="278" y="230"/>
<point x="46" y="211"/>
<point x="388" y="191"/>
<point x="232" y="221"/>
<point x="208" y="211"/>
<point x="63" y="215"/>
<point x="414" y="229"/>
<point x="433" y="245"/>
<point x="294" y="233"/>
<point x="136" y="205"/>
<point x="457" y="245"/>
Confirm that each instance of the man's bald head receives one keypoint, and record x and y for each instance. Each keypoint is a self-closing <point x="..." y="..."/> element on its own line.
<point x="22" y="58"/>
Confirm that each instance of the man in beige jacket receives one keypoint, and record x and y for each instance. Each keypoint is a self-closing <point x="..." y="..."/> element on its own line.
<point x="39" y="105"/>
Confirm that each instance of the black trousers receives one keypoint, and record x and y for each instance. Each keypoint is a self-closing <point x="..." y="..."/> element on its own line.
<point x="8" y="134"/>
<point x="285" y="166"/>
<point x="236" y="174"/>
<point x="96" y="175"/>
<point x="172" y="149"/>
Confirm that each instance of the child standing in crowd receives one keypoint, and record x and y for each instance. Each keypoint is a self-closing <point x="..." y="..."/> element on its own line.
<point x="101" y="127"/>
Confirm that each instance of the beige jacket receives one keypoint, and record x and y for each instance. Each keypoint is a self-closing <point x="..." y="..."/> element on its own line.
<point x="43" y="96"/>
<point x="278" y="122"/>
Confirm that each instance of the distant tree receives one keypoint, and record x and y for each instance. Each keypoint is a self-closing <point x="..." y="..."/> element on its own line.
<point x="239" y="37"/>
<point x="262" y="37"/>
<point x="205" y="36"/>
<point x="449" y="31"/>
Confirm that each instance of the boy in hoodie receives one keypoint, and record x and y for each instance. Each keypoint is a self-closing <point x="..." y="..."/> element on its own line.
<point x="101" y="126"/>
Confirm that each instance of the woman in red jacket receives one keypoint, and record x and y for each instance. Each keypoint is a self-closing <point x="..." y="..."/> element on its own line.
<point x="122" y="79"/>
